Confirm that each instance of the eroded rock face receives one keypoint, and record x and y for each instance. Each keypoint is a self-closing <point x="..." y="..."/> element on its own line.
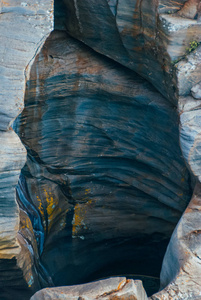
<point x="146" y="36"/>
<point x="20" y="39"/>
<point x="183" y="256"/>
<point x="105" y="181"/>
<point x="23" y="28"/>
<point x="162" y="36"/>
<point x="104" y="173"/>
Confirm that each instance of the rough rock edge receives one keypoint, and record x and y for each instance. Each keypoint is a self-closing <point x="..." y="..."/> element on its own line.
<point x="12" y="8"/>
<point x="108" y="289"/>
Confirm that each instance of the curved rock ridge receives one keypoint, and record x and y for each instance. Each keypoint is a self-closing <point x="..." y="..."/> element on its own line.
<point x="183" y="256"/>
<point x="105" y="182"/>
<point x="24" y="27"/>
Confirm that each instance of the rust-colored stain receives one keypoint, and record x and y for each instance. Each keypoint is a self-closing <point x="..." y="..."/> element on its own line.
<point x="40" y="207"/>
<point x="121" y="284"/>
<point x="25" y="223"/>
<point x="5" y="3"/>
<point x="190" y="9"/>
<point x="195" y="205"/>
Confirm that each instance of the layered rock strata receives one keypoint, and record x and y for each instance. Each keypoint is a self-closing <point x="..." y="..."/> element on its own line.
<point x="162" y="40"/>
<point x="147" y="36"/>
<point x="104" y="163"/>
<point x="24" y="26"/>
<point x="104" y="174"/>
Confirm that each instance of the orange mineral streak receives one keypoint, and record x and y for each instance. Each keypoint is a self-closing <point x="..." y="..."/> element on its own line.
<point x="121" y="284"/>
<point x="5" y="3"/>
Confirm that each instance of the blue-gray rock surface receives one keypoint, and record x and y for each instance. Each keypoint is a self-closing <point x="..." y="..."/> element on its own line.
<point x="111" y="162"/>
<point x="104" y="174"/>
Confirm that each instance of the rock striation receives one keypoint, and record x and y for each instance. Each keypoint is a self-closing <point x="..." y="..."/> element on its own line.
<point x="147" y="36"/>
<point x="24" y="26"/>
<point x="104" y="170"/>
<point x="162" y="36"/>
<point x="111" y="158"/>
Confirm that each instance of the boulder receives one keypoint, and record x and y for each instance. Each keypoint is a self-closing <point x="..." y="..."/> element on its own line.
<point x="108" y="289"/>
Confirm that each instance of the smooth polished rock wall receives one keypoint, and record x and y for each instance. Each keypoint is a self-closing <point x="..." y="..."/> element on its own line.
<point x="149" y="37"/>
<point x="157" y="47"/>
<point x="105" y="177"/>
<point x="162" y="41"/>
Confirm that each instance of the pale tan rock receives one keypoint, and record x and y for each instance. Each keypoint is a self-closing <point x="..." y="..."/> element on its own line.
<point x="117" y="288"/>
<point x="190" y="9"/>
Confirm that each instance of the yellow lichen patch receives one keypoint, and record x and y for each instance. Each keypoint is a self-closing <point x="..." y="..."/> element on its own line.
<point x="40" y="207"/>
<point x="49" y="209"/>
<point x="41" y="210"/>
<point x="80" y="212"/>
<point x="52" y="207"/>
<point x="50" y="202"/>
<point x="25" y="222"/>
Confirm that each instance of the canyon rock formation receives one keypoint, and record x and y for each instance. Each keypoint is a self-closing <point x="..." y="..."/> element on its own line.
<point x="24" y="28"/>
<point x="111" y="126"/>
